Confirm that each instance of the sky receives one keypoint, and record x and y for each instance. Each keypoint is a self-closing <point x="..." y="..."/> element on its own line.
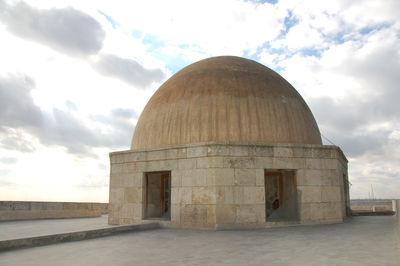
<point x="75" y="76"/>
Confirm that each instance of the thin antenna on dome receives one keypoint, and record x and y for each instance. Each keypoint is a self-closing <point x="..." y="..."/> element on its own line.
<point x="328" y="140"/>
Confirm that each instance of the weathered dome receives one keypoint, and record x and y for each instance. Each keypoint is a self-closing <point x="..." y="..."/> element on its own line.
<point x="225" y="98"/>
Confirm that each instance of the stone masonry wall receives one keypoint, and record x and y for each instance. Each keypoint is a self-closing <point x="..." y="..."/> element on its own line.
<point x="221" y="185"/>
<point x="23" y="210"/>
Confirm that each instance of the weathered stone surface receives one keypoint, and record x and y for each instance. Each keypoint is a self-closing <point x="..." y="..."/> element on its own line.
<point x="210" y="162"/>
<point x="225" y="195"/>
<point x="223" y="184"/>
<point x="203" y="195"/>
<point x="218" y="150"/>
<point x="187" y="163"/>
<point x="194" y="216"/>
<point x="176" y="153"/>
<point x="200" y="151"/>
<point x="239" y="162"/>
<point x="165" y="165"/>
<point x="239" y="150"/>
<point x="310" y="193"/>
<point x="288" y="163"/>
<point x="254" y="195"/>
<point x="280" y="151"/>
<point x="226" y="214"/>
<point x="261" y="151"/>
<point x="331" y="194"/>
<point x="133" y="195"/>
<point x="245" y="177"/>
<point x="222" y="176"/>
<point x="246" y="214"/>
<point x="260" y="176"/>
<point x="156" y="155"/>
<point x="263" y="162"/>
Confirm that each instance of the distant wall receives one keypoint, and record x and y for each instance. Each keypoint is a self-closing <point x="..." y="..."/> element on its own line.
<point x="23" y="210"/>
<point x="372" y="205"/>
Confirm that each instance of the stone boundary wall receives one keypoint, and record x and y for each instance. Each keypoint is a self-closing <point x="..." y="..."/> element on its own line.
<point x="26" y="210"/>
<point x="373" y="205"/>
<point x="221" y="184"/>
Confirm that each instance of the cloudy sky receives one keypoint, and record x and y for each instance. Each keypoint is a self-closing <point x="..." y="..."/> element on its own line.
<point x="75" y="75"/>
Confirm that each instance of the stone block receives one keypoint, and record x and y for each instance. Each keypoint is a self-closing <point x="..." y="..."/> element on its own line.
<point x="238" y="194"/>
<point x="117" y="195"/>
<point x="331" y="211"/>
<point x="140" y="167"/>
<point x="116" y="168"/>
<point x="176" y="178"/>
<point x="331" y="194"/>
<point x="138" y="212"/>
<point x="311" y="212"/>
<point x="194" y="215"/>
<point x="200" y="177"/>
<point x="254" y="195"/>
<point x="203" y="195"/>
<point x="133" y="195"/>
<point x="225" y="214"/>
<point x="218" y="150"/>
<point x="156" y="155"/>
<point x="128" y="180"/>
<point x="323" y="153"/>
<point x="175" y="195"/>
<point x="138" y="179"/>
<point x="211" y="216"/>
<point x="310" y="193"/>
<point x="312" y="163"/>
<point x="245" y="177"/>
<point x="135" y="156"/>
<point x="127" y="211"/>
<point x="188" y="178"/>
<point x="187" y="163"/>
<point x="116" y="158"/>
<point x="240" y="150"/>
<point x="175" y="214"/>
<point x="225" y="195"/>
<point x="222" y="176"/>
<point x="280" y="151"/>
<point x="319" y="177"/>
<point x="185" y="195"/>
<point x="246" y="214"/>
<point x="193" y="152"/>
<point x="210" y="162"/>
<point x="116" y="181"/>
<point x="263" y="162"/>
<point x="163" y="165"/>
<point x="261" y="151"/>
<point x="288" y="163"/>
<point x="239" y="162"/>
<point x="175" y="153"/>
<point x="260" y="177"/>
<point x="302" y="152"/>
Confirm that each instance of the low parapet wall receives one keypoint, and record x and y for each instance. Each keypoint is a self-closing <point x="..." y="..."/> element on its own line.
<point x="25" y="210"/>
<point x="373" y="207"/>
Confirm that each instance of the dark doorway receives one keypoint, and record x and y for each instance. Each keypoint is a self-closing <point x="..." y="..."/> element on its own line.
<point x="158" y="195"/>
<point x="280" y="195"/>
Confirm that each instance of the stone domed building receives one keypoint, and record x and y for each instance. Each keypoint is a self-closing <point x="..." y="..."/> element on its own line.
<point x="226" y="142"/>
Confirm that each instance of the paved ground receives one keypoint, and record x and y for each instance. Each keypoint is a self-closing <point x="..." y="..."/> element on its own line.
<point x="359" y="241"/>
<point x="31" y="228"/>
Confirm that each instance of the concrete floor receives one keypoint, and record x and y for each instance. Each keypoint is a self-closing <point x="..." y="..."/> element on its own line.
<point x="359" y="241"/>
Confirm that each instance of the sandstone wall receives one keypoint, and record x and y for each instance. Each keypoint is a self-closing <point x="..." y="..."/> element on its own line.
<point x="23" y="210"/>
<point x="222" y="184"/>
